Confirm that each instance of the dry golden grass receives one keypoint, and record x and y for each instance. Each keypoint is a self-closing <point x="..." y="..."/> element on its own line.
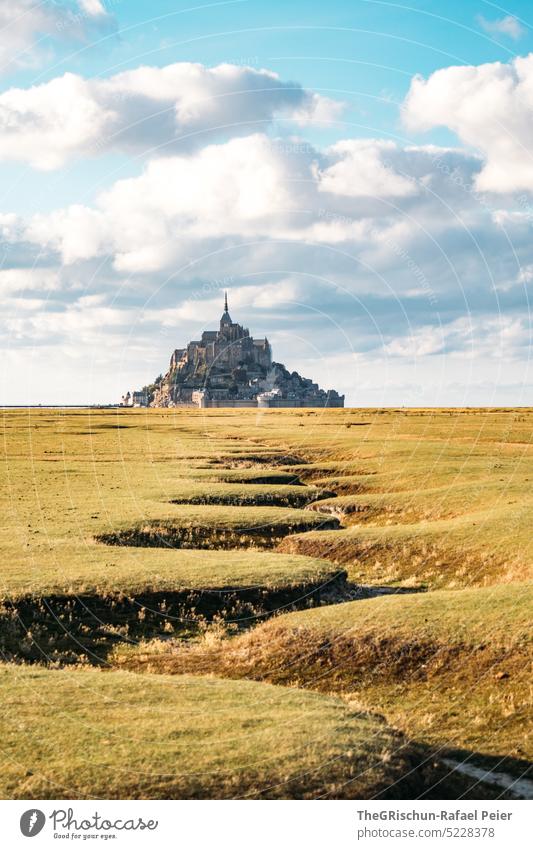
<point x="89" y="734"/>
<point x="451" y="669"/>
<point x="430" y="498"/>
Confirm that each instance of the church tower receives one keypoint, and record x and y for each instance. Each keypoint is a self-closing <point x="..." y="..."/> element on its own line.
<point x="225" y="321"/>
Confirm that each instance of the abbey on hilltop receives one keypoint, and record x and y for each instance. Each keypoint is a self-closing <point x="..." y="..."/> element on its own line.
<point x="228" y="368"/>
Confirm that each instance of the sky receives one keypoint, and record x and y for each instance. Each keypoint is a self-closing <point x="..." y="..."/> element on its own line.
<point x="358" y="175"/>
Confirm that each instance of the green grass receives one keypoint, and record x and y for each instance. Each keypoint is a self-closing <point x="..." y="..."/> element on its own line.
<point x="239" y="495"/>
<point x="450" y="668"/>
<point x="499" y="615"/>
<point x="447" y="505"/>
<point x="214" y="526"/>
<point x="410" y="506"/>
<point x="76" y="605"/>
<point x="99" y="570"/>
<point x="88" y="734"/>
<point x="259" y="477"/>
<point x="225" y="516"/>
<point x="480" y="549"/>
<point x="73" y="479"/>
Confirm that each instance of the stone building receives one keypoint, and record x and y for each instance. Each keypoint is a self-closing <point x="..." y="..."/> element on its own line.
<point x="223" y="350"/>
<point x="140" y="399"/>
<point x="229" y="368"/>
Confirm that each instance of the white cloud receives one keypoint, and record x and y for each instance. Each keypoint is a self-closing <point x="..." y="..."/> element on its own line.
<point x="268" y="295"/>
<point x="77" y="232"/>
<point x="361" y="170"/>
<point x="10" y="227"/>
<point x="160" y="110"/>
<point x="490" y="107"/>
<point x="502" y="337"/>
<point x="80" y="322"/>
<point x="318" y="109"/>
<point x="29" y="30"/>
<point x="526" y="274"/>
<point x="234" y="207"/>
<point x="508" y="26"/>
<point x="15" y="280"/>
<point x="93" y="8"/>
<point x="244" y="189"/>
<point x="240" y="187"/>
<point x="393" y="255"/>
<point x="420" y="343"/>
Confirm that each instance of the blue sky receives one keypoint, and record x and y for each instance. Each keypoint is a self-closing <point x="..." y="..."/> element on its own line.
<point x="362" y="52"/>
<point x="359" y="179"/>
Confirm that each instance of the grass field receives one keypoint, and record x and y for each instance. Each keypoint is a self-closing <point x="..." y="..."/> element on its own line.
<point x="83" y="734"/>
<point x="452" y="669"/>
<point x="176" y="543"/>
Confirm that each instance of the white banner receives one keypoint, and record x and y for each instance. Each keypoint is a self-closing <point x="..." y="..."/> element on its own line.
<point x="266" y="825"/>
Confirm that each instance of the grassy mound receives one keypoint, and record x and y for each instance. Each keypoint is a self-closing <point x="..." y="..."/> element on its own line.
<point x="251" y="458"/>
<point x="81" y="604"/>
<point x="88" y="734"/>
<point x="345" y="481"/>
<point x="447" y="553"/>
<point x="450" y="668"/>
<point x="239" y="495"/>
<point x="245" y="476"/>
<point x="95" y="570"/>
<point x="445" y="502"/>
<point x="217" y="527"/>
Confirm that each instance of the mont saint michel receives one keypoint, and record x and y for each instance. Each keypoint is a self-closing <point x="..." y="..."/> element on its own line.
<point x="229" y="368"/>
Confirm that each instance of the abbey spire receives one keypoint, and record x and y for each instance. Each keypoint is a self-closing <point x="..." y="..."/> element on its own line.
<point x="225" y="321"/>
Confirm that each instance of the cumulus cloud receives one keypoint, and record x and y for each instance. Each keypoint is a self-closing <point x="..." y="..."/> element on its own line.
<point x="508" y="26"/>
<point x="29" y="30"/>
<point x="360" y="170"/>
<point x="15" y="280"/>
<point x="148" y="110"/>
<point x="147" y="222"/>
<point x="412" y="215"/>
<point x="487" y="337"/>
<point x="366" y="245"/>
<point x="82" y="319"/>
<point x="243" y="189"/>
<point x="490" y="107"/>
